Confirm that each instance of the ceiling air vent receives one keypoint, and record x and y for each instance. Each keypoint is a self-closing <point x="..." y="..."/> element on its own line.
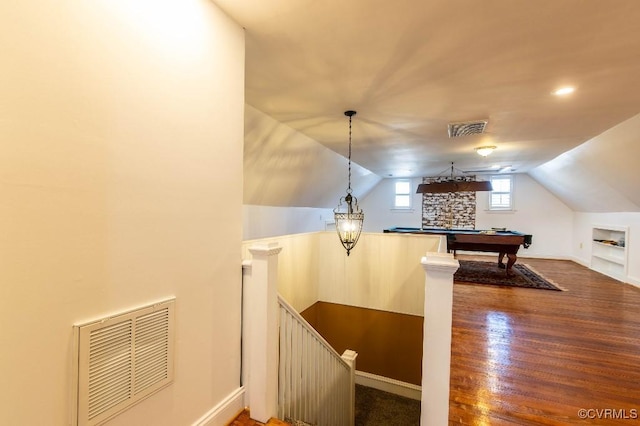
<point x="467" y="128"/>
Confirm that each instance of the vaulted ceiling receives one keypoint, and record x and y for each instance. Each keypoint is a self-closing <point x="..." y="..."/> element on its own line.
<point x="411" y="67"/>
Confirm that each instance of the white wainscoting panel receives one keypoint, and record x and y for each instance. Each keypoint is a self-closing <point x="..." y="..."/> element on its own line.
<point x="383" y="271"/>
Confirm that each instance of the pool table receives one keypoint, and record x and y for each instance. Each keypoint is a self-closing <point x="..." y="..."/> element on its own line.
<point x="498" y="241"/>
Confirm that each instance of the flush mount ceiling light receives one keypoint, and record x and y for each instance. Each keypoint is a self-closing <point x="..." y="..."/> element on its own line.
<point x="564" y="91"/>
<point x="485" y="150"/>
<point x="348" y="215"/>
<point x="454" y="184"/>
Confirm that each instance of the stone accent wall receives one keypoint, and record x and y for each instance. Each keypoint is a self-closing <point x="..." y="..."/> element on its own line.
<point x="449" y="210"/>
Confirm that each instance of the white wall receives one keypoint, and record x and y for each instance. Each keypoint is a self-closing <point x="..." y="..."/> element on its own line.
<point x="582" y="236"/>
<point x="378" y="208"/>
<point x="121" y="129"/>
<point x="267" y="221"/>
<point x="537" y="212"/>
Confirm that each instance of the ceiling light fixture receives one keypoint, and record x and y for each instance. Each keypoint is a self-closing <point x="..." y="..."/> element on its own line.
<point x="564" y="91"/>
<point x="454" y="184"/>
<point x="485" y="150"/>
<point x="349" y="216"/>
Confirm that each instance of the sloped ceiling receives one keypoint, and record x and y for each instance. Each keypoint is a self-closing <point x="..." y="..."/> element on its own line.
<point x="601" y="175"/>
<point x="409" y="67"/>
<point x="283" y="167"/>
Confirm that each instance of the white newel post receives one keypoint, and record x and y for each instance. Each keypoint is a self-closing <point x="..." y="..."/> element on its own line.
<point x="349" y="357"/>
<point x="436" y="351"/>
<point x="262" y="316"/>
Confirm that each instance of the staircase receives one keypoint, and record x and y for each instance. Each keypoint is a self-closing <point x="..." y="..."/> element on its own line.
<point x="316" y="385"/>
<point x="381" y="274"/>
<point x="289" y="370"/>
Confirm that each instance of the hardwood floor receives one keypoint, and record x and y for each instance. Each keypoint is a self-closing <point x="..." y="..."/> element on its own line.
<point x="532" y="357"/>
<point x="244" y="419"/>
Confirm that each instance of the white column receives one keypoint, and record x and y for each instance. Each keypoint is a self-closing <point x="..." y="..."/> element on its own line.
<point x="436" y="351"/>
<point x="349" y="357"/>
<point x="261" y="314"/>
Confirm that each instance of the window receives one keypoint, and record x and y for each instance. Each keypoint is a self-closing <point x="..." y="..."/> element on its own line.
<point x="402" y="199"/>
<point x="501" y="198"/>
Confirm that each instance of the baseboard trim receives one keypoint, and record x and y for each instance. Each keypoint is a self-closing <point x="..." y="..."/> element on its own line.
<point x="408" y="390"/>
<point x="225" y="411"/>
<point x="627" y="280"/>
<point x="580" y="261"/>
<point x="633" y="281"/>
<point x="543" y="256"/>
<point x="521" y="255"/>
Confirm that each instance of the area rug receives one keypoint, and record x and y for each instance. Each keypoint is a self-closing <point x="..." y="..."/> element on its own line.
<point x="478" y="272"/>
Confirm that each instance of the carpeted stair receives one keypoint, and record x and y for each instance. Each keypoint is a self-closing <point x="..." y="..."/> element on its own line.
<point x="375" y="407"/>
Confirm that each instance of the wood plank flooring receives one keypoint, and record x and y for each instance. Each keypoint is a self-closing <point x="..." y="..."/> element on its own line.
<point x="244" y="419"/>
<point x="532" y="357"/>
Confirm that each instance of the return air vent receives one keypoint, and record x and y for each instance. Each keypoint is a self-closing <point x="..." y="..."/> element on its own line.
<point x="467" y="128"/>
<point x="121" y="360"/>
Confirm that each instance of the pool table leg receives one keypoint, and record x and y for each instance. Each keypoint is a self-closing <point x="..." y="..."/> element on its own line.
<point x="511" y="259"/>
<point x="510" y="262"/>
<point x="500" y="258"/>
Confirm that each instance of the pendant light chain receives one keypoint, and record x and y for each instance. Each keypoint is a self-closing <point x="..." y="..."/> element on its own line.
<point x="349" y="187"/>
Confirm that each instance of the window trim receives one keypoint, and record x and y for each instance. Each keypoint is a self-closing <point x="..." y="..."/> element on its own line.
<point x="511" y="191"/>
<point x="409" y="194"/>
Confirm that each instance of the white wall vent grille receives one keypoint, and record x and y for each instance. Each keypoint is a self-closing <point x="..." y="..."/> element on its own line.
<point x="121" y="360"/>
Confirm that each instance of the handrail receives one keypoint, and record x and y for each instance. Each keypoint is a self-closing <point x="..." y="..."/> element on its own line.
<point x="285" y="305"/>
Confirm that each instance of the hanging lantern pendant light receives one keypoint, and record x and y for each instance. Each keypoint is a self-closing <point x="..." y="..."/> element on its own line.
<point x="348" y="215"/>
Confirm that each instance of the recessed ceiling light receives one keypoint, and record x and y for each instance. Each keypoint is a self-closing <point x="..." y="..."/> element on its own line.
<point x="564" y="91"/>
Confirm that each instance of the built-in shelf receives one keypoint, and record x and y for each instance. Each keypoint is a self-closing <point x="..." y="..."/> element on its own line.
<point x="609" y="251"/>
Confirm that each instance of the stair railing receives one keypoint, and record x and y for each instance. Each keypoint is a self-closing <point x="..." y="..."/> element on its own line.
<point x="315" y="383"/>
<point x="288" y="369"/>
